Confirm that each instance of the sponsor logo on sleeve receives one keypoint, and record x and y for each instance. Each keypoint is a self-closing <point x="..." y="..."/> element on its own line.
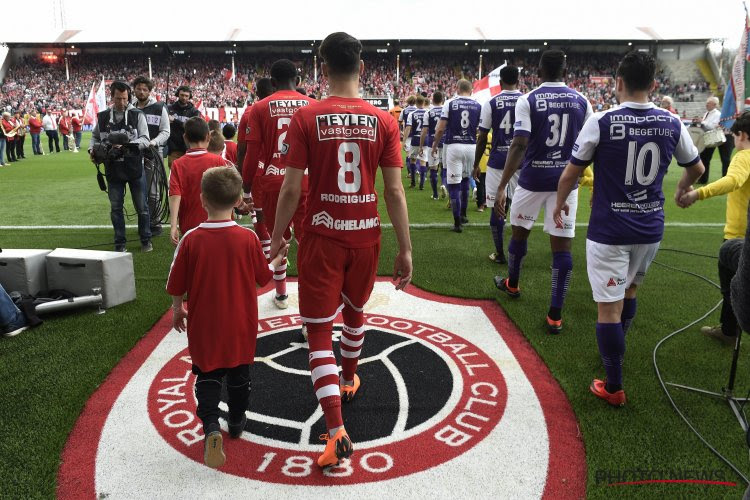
<point x="350" y="127"/>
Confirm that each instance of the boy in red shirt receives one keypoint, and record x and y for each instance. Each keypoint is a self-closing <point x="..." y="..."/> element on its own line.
<point x="214" y="262"/>
<point x="341" y="141"/>
<point x="230" y="147"/>
<point x="185" y="209"/>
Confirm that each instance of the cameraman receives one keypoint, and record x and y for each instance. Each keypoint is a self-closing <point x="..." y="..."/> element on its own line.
<point x="118" y="140"/>
<point x="180" y="112"/>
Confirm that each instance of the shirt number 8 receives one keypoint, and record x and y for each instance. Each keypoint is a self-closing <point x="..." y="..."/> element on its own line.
<point x="346" y="166"/>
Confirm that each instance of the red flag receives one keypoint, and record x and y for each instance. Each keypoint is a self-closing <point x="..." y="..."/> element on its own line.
<point x="89" y="114"/>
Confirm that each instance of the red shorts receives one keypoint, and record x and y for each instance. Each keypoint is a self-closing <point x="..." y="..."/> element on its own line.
<point x="269" y="203"/>
<point x="330" y="275"/>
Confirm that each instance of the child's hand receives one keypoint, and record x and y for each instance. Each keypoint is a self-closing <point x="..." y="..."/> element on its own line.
<point x="174" y="235"/>
<point x="179" y="318"/>
<point x="280" y="256"/>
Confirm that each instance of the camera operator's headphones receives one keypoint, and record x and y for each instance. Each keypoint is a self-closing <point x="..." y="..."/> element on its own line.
<point x="183" y="88"/>
<point x="118" y="83"/>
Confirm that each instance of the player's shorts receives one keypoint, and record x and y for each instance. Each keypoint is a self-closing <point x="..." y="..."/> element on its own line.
<point x="526" y="206"/>
<point x="492" y="181"/>
<point x="436" y="160"/>
<point x="414" y="152"/>
<point x="612" y="269"/>
<point x="269" y="203"/>
<point x="331" y="275"/>
<point x="459" y="161"/>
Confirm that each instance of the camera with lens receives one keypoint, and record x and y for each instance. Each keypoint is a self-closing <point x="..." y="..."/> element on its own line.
<point x="122" y="160"/>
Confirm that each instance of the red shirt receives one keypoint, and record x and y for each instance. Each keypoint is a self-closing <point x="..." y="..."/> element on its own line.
<point x="35" y="125"/>
<point x="230" y="151"/>
<point x="341" y="142"/>
<point x="185" y="181"/>
<point x="64" y="125"/>
<point x="7" y="127"/>
<point x="76" y="124"/>
<point x="268" y="125"/>
<point x="218" y="265"/>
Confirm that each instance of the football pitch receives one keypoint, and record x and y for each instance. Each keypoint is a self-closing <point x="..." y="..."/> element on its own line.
<point x="47" y="374"/>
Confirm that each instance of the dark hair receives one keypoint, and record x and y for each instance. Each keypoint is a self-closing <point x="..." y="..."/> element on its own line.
<point x="120" y="87"/>
<point x="221" y="187"/>
<point x="509" y="75"/>
<point x="341" y="53"/>
<point x="283" y="71"/>
<point x="552" y="64"/>
<point x="228" y="131"/>
<point x="196" y="129"/>
<point x="145" y="81"/>
<point x="263" y="87"/>
<point x="438" y="97"/>
<point x="214" y="125"/>
<point x="637" y="70"/>
<point x="742" y="124"/>
<point x="183" y="88"/>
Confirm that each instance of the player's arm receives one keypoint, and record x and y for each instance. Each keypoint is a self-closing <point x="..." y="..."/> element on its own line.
<point x="407" y="133"/>
<point x="422" y="137"/>
<point x="439" y="133"/>
<point x="289" y="196"/>
<point x="253" y="144"/>
<point x="687" y="156"/>
<point x="565" y="186"/>
<point x="174" y="210"/>
<point x="516" y="152"/>
<point x="479" y="152"/>
<point x="395" y="203"/>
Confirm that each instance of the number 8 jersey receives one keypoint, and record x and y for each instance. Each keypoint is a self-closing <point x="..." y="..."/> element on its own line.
<point x="341" y="141"/>
<point x="631" y="147"/>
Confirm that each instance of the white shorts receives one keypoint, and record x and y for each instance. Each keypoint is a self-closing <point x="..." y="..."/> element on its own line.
<point x="612" y="269"/>
<point x="435" y="160"/>
<point x="458" y="161"/>
<point x="492" y="181"/>
<point x="526" y="206"/>
<point x="414" y="152"/>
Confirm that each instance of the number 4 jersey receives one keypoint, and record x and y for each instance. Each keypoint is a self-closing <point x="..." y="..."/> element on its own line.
<point x="631" y="147"/>
<point x="341" y="141"/>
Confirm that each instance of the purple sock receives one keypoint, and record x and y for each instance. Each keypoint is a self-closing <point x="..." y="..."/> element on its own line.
<point x="454" y="190"/>
<point x="611" y="341"/>
<point x="562" y="269"/>
<point x="434" y="182"/>
<point x="496" y="225"/>
<point x="516" y="253"/>
<point x="629" y="306"/>
<point x="412" y="171"/>
<point x="464" y="195"/>
<point x="422" y="173"/>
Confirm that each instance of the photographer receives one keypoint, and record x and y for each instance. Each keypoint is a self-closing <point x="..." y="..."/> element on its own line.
<point x="180" y="112"/>
<point x="118" y="141"/>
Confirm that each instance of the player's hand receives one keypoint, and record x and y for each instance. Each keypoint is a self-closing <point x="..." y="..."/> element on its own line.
<point x="557" y="215"/>
<point x="475" y="173"/>
<point x="174" y="235"/>
<point x="278" y="245"/>
<point x="500" y="203"/>
<point x="279" y="257"/>
<point x="679" y="192"/>
<point x="179" y="318"/>
<point x="688" y="199"/>
<point x="402" y="270"/>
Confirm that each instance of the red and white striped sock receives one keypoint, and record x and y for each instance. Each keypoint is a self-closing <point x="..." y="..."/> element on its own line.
<point x="350" y="345"/>
<point x="265" y="238"/>
<point x="279" y="277"/>
<point x="325" y="372"/>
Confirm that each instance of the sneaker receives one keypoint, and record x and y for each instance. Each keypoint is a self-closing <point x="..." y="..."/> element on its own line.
<point x="502" y="285"/>
<point x="554" y="326"/>
<point x="599" y="389"/>
<point x="348" y="391"/>
<point x="498" y="258"/>
<point x="480" y="209"/>
<point x="156" y="230"/>
<point x="443" y="191"/>
<point x="120" y="248"/>
<point x="15" y="332"/>
<point x="337" y="447"/>
<point x="147" y="247"/>
<point x="235" y="429"/>
<point x="431" y="197"/>
<point x="303" y="331"/>
<point x="716" y="333"/>
<point x="281" y="301"/>
<point x="457" y="229"/>
<point x="213" y="448"/>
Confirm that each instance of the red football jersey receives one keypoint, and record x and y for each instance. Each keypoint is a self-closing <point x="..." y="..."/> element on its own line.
<point x="341" y="141"/>
<point x="185" y="181"/>
<point x="218" y="265"/>
<point x="230" y="151"/>
<point x="268" y="125"/>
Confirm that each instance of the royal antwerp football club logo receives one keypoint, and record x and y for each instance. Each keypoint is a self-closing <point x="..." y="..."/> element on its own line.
<point x="445" y="405"/>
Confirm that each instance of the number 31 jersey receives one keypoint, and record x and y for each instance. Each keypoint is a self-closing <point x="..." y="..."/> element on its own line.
<point x="631" y="147"/>
<point x="341" y="141"/>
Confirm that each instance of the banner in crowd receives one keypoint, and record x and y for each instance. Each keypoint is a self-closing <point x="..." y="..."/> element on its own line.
<point x="599" y="80"/>
<point x="226" y="114"/>
<point x="384" y="103"/>
<point x="488" y="86"/>
<point x="736" y="96"/>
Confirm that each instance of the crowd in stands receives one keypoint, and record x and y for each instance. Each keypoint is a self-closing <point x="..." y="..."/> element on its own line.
<point x="33" y="84"/>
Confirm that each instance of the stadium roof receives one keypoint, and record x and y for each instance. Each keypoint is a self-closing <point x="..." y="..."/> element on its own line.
<point x="84" y="21"/>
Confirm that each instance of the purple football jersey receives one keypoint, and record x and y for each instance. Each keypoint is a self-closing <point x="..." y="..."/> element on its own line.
<point x="406" y="112"/>
<point x="432" y="118"/>
<point x="462" y="114"/>
<point x="416" y="121"/>
<point x="499" y="115"/>
<point x="551" y="116"/>
<point x="631" y="147"/>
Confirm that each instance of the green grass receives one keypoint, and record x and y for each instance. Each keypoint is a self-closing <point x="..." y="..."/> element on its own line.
<point x="46" y="375"/>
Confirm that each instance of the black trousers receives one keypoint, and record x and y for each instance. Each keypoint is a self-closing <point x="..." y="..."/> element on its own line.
<point x="19" y="146"/>
<point x="52" y="136"/>
<point x="706" y="156"/>
<point x="10" y="150"/>
<point x="208" y="393"/>
<point x="725" y="153"/>
<point x="481" y="193"/>
<point x="729" y="258"/>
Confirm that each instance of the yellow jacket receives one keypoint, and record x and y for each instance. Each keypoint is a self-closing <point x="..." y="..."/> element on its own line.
<point x="486" y="155"/>
<point x="737" y="184"/>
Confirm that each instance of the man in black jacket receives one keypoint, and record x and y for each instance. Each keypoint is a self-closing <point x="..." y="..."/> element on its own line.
<point x="741" y="285"/>
<point x="180" y="112"/>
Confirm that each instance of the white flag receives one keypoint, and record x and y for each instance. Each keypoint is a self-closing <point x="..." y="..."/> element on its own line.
<point x="101" y="97"/>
